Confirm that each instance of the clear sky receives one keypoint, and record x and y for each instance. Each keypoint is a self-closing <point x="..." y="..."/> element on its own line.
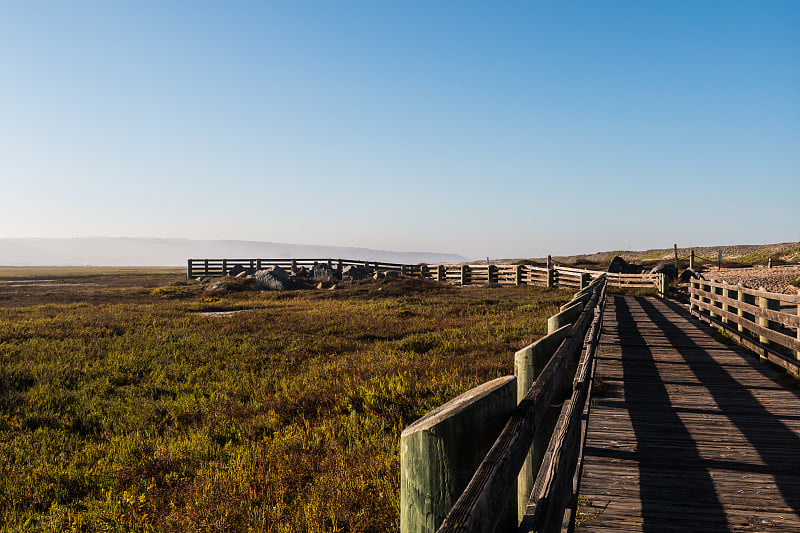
<point x="502" y="129"/>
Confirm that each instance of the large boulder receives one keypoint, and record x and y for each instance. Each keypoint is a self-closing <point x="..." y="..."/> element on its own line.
<point x="354" y="272"/>
<point x="273" y="279"/>
<point x="667" y="269"/>
<point x="689" y="274"/>
<point x="236" y="270"/>
<point x="620" y="266"/>
<point x="322" y="272"/>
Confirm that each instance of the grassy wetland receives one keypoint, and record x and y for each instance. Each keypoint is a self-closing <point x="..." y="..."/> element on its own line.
<point x="123" y="408"/>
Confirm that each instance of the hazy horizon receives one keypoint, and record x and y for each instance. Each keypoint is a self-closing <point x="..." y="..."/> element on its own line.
<point x="511" y="130"/>
<point x="173" y="252"/>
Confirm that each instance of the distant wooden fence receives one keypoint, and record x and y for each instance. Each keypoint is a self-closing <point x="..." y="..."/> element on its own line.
<point x="456" y="274"/>
<point x="221" y="267"/>
<point x="521" y="457"/>
<point x="766" y="322"/>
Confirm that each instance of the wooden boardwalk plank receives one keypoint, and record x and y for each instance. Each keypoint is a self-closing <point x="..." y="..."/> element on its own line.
<point x="689" y="435"/>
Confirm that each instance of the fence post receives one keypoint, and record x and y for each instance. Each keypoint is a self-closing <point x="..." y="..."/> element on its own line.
<point x="294" y="265"/>
<point x="710" y="300"/>
<point x="797" y="354"/>
<point x="528" y="364"/>
<point x="224" y="267"/>
<point x="440" y="276"/>
<point x="741" y="296"/>
<point x="464" y="274"/>
<point x="489" y="272"/>
<point x="767" y="303"/>
<point x="330" y="264"/>
<point x="339" y="264"/>
<point x="423" y="271"/>
<point x="726" y="293"/>
<point x="518" y="275"/>
<point x="189" y="269"/>
<point x="440" y="452"/>
<point x="691" y="259"/>
<point x="551" y="282"/>
<point x="205" y="267"/>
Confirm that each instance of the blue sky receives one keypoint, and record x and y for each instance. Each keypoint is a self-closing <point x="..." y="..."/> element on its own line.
<point x="504" y="129"/>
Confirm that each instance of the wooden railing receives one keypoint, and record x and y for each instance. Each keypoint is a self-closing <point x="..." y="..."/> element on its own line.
<point x="766" y="322"/>
<point x="456" y="274"/>
<point x="499" y="494"/>
<point x="221" y="267"/>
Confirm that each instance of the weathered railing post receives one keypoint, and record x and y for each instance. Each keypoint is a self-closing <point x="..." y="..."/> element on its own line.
<point x="518" y="275"/>
<point x="691" y="259"/>
<point x="464" y="271"/>
<point x="224" y="267"/>
<point x="189" y="269"/>
<point x="294" y="265"/>
<point x="440" y="275"/>
<point x="742" y="297"/>
<point x="797" y="353"/>
<point x="726" y="293"/>
<point x="423" y="271"/>
<point x="490" y="271"/>
<point x="528" y="363"/>
<point x="551" y="278"/>
<point x="440" y="452"/>
<point x="205" y="267"/>
<point x="710" y="300"/>
<point x="340" y="264"/>
<point x="767" y="303"/>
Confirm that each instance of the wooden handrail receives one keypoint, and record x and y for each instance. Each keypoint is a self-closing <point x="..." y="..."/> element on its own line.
<point x="479" y="506"/>
<point x="763" y="328"/>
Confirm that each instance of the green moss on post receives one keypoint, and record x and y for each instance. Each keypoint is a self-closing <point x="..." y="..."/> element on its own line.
<point x="440" y="452"/>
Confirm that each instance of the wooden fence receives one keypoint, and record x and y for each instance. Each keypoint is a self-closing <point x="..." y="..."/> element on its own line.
<point x="766" y="322"/>
<point x="456" y="274"/>
<point x="221" y="267"/>
<point x="525" y="476"/>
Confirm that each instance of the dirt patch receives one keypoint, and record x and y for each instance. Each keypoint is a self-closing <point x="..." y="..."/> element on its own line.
<point x="776" y="279"/>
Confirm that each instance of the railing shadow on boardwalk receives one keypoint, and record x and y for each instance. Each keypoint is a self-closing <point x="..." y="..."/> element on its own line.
<point x="775" y="443"/>
<point x="652" y="417"/>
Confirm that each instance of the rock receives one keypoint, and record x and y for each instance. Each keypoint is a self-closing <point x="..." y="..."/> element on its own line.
<point x="274" y="279"/>
<point x="218" y="287"/>
<point x="688" y="275"/>
<point x="391" y="274"/>
<point x="332" y="287"/>
<point x="354" y="272"/>
<point x="301" y="272"/>
<point x="321" y="285"/>
<point x="242" y="274"/>
<point x="666" y="268"/>
<point x="322" y="272"/>
<point x="236" y="270"/>
<point x="620" y="266"/>
<point x="378" y="275"/>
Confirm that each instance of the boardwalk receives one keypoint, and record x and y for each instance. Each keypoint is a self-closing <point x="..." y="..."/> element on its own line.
<point x="692" y="435"/>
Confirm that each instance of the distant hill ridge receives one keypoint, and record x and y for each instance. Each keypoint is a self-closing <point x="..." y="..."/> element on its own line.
<point x="125" y="251"/>
<point x="751" y="253"/>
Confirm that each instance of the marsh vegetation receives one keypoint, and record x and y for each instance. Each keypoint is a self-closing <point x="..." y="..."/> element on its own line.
<point x="123" y="408"/>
